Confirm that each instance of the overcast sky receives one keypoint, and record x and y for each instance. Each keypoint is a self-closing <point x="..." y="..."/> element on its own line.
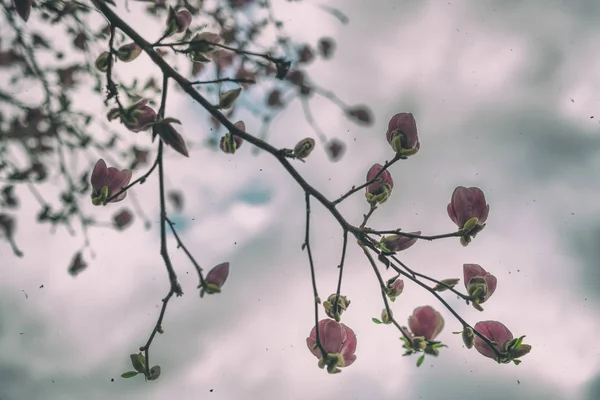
<point x="505" y="94"/>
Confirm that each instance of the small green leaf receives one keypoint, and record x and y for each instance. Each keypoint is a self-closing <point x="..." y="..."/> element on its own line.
<point x="517" y="362"/>
<point x="420" y="360"/>
<point x="376" y="321"/>
<point x="129" y="374"/>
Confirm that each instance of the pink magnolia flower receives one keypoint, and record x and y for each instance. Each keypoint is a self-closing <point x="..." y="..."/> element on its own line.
<point x="215" y="279"/>
<point x="106" y="182"/>
<point x="402" y="134"/>
<point x="137" y="118"/>
<point x="380" y="190"/>
<point x="480" y="284"/>
<point x="395" y="243"/>
<point x="336" y="338"/>
<point x="394" y="288"/>
<point x="426" y="322"/>
<point x="494" y="331"/>
<point x="467" y="203"/>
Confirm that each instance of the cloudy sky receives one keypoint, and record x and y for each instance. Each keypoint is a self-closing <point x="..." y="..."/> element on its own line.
<point x="505" y="94"/>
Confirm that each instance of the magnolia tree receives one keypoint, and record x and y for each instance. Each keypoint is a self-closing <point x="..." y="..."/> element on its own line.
<point x="210" y="39"/>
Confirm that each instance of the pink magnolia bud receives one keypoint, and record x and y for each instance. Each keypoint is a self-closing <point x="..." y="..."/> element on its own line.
<point x="139" y="117"/>
<point x="230" y="143"/>
<point x="394" y="288"/>
<point x="336" y="339"/>
<point x="183" y="19"/>
<point x="468" y="204"/>
<point x="480" y="284"/>
<point x="505" y="343"/>
<point x="106" y="182"/>
<point x="122" y="219"/>
<point x="215" y="279"/>
<point x="402" y="134"/>
<point x="129" y="52"/>
<point x="360" y="114"/>
<point x="379" y="191"/>
<point x="395" y="243"/>
<point x="335" y="149"/>
<point x="426" y="322"/>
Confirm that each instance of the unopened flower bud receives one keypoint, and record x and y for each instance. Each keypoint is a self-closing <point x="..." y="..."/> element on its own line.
<point x="395" y="243"/>
<point x="228" y="99"/>
<point x="379" y="191"/>
<point x="446" y="284"/>
<point x="335" y="306"/>
<point x="386" y="317"/>
<point x="394" y="288"/>
<point x="138" y="361"/>
<point x="154" y="373"/>
<point x="402" y="134"/>
<point x="304" y="148"/>
<point x="103" y="61"/>
<point x="230" y="142"/>
<point x="215" y="279"/>
<point x="129" y="52"/>
<point x="468" y="337"/>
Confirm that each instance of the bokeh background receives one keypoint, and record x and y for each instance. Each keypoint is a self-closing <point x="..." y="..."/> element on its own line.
<point x="505" y="94"/>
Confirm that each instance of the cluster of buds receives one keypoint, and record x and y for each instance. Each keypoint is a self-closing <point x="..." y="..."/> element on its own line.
<point x="335" y="305"/>
<point x="425" y="324"/>
<point x="337" y="341"/>
<point x="469" y="211"/>
<point x="138" y="117"/>
<point x="107" y="182"/>
<point x="480" y="284"/>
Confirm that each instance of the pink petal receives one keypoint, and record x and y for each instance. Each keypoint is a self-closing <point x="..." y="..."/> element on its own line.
<point x="472" y="270"/>
<point x="99" y="175"/>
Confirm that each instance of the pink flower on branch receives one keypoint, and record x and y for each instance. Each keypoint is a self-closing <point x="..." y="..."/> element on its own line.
<point x="379" y="191"/>
<point x="337" y="340"/>
<point x="215" y="279"/>
<point x="502" y="340"/>
<point x="106" y="182"/>
<point x="469" y="211"/>
<point x="426" y="322"/>
<point x="480" y="284"/>
<point x="395" y="243"/>
<point x="402" y="134"/>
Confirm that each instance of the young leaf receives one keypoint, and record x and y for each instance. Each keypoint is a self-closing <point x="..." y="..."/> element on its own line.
<point x="129" y="374"/>
<point x="376" y="320"/>
<point x="420" y="360"/>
